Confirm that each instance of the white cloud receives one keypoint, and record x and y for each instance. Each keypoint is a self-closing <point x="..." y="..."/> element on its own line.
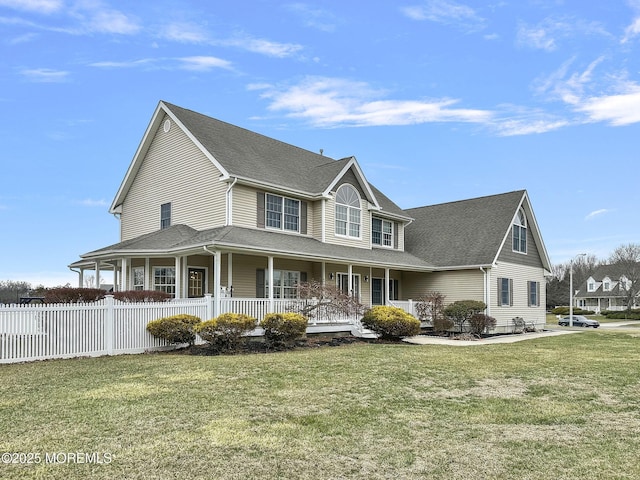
<point x="618" y="110"/>
<point x="329" y="102"/>
<point x="262" y="46"/>
<point x="313" y="17"/>
<point x="45" y="75"/>
<point x="111" y="21"/>
<point x="597" y="213"/>
<point x="185" y="32"/>
<point x="38" y="6"/>
<point x="129" y="64"/>
<point x="546" y="34"/>
<point x="446" y="12"/>
<point x="510" y="127"/>
<point x="536" y="37"/>
<point x="204" y="63"/>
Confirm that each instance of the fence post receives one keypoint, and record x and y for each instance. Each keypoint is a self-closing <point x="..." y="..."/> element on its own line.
<point x="410" y="308"/>
<point x="108" y="324"/>
<point x="208" y="298"/>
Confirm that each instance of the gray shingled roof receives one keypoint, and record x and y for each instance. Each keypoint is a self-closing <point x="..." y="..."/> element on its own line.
<point x="466" y="232"/>
<point x="614" y="272"/>
<point x="249" y="155"/>
<point x="179" y="238"/>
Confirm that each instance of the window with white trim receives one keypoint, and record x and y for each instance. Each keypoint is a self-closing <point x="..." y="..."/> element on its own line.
<point x="534" y="294"/>
<point x="505" y="292"/>
<point x="282" y="213"/>
<point x="381" y="232"/>
<point x="165" y="215"/>
<point x="138" y="278"/>
<point x="520" y="233"/>
<point x="348" y="213"/>
<point x="285" y="284"/>
<point x="164" y="279"/>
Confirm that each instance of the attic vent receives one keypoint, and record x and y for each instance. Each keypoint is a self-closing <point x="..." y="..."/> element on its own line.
<point x="167" y="125"/>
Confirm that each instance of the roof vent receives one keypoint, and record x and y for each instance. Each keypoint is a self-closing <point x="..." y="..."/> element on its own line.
<point x="167" y="125"/>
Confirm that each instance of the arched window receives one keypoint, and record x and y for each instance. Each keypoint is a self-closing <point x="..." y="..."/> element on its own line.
<point x="520" y="233"/>
<point x="348" y="211"/>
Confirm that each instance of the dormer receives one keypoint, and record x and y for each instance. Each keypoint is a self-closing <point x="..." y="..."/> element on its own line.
<point x="592" y="285"/>
<point x="606" y="284"/>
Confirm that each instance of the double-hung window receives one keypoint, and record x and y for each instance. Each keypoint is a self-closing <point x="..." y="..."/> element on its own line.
<point x="138" y="278"/>
<point x="505" y="292"/>
<point x="282" y="213"/>
<point x="164" y="279"/>
<point x="534" y="294"/>
<point x="165" y="215"/>
<point x="348" y="213"/>
<point x="381" y="232"/>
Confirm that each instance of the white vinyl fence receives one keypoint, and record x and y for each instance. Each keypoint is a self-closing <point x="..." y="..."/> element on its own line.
<point x="107" y="327"/>
<point x="111" y="327"/>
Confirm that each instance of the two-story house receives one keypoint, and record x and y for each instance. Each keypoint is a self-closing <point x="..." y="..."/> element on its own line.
<point x="606" y="289"/>
<point x="211" y="208"/>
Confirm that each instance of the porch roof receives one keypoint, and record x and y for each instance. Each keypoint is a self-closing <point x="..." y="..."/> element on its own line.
<point x="184" y="240"/>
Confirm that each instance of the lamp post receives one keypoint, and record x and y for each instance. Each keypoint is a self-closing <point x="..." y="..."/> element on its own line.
<point x="571" y="287"/>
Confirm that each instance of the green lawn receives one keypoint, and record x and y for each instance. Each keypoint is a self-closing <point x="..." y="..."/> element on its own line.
<point x="565" y="407"/>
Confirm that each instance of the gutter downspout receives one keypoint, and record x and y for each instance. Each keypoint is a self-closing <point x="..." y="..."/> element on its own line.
<point x="229" y="216"/>
<point x="487" y="297"/>
<point x="80" y="276"/>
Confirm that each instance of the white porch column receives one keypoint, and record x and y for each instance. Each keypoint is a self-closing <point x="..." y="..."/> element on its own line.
<point x="124" y="274"/>
<point x="387" y="301"/>
<point x="97" y="279"/>
<point x="217" y="261"/>
<point x="229" y="272"/>
<point x="147" y="274"/>
<point x="185" y="276"/>
<point x="324" y="273"/>
<point x="350" y="282"/>
<point x="270" y="268"/>
<point x="178" y="285"/>
<point x="81" y="278"/>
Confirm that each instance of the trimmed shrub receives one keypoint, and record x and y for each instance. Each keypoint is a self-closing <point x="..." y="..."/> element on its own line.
<point x="73" y="295"/>
<point x="281" y="329"/>
<point x="442" y="324"/>
<point x="576" y="311"/>
<point x="461" y="311"/>
<point x="175" y="329"/>
<point x="480" y="323"/>
<point x="391" y="322"/>
<point x="226" y="331"/>
<point x="633" y="314"/>
<point x="137" y="296"/>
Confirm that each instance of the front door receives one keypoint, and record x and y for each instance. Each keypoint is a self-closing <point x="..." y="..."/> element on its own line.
<point x="377" y="291"/>
<point x="197" y="285"/>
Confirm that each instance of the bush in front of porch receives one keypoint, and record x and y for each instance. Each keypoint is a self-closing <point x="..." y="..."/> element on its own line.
<point x="226" y="332"/>
<point x="281" y="329"/>
<point x="391" y="322"/>
<point x="175" y="329"/>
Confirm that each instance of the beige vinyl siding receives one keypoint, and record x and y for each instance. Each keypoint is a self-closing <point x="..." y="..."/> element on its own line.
<point x="245" y="266"/>
<point x="532" y="257"/>
<point x="520" y="275"/>
<point x="316" y="219"/>
<point x="245" y="208"/>
<point x="173" y="171"/>
<point x="454" y="285"/>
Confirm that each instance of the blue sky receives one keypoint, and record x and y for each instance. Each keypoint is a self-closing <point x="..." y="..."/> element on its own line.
<point x="438" y="100"/>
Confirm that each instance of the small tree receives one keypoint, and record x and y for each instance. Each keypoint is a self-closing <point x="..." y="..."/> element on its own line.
<point x="430" y="307"/>
<point x="321" y="301"/>
<point x="461" y="311"/>
<point x="627" y="259"/>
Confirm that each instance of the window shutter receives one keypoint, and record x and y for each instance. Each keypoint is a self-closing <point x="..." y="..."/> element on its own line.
<point x="260" y="283"/>
<point x="499" y="296"/>
<point x="537" y="294"/>
<point x="303" y="277"/>
<point x="260" y="213"/>
<point x="396" y="234"/>
<point x="303" y="218"/>
<point x="510" y="292"/>
<point x="529" y="294"/>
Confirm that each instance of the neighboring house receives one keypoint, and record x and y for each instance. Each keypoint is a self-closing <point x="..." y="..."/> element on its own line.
<point x="210" y="208"/>
<point x="605" y="289"/>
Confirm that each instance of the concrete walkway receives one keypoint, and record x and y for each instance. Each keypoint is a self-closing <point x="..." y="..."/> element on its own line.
<point x="507" y="338"/>
<point x="514" y="337"/>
